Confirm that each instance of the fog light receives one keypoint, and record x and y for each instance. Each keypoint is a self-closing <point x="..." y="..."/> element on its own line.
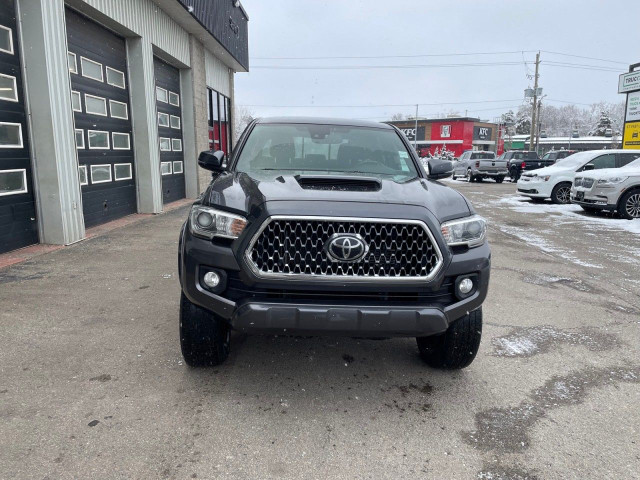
<point x="465" y="286"/>
<point x="211" y="279"/>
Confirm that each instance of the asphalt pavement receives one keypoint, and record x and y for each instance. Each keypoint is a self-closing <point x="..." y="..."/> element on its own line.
<point x="92" y="383"/>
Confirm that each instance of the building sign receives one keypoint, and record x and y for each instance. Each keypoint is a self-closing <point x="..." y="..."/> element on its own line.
<point x="629" y="82"/>
<point x="631" y="139"/>
<point x="410" y="133"/>
<point x="445" y="131"/>
<point x="633" y="107"/>
<point x="482" y="133"/>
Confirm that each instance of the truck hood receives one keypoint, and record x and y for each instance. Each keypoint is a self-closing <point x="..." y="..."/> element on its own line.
<point x="240" y="192"/>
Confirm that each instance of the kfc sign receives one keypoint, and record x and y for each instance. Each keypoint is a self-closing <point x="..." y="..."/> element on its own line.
<point x="410" y="133"/>
<point x="482" y="133"/>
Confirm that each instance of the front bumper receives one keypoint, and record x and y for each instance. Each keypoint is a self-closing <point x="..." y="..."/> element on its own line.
<point x="533" y="188"/>
<point x="596" y="198"/>
<point x="258" y="306"/>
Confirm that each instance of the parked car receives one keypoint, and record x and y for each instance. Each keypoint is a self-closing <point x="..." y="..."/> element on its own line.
<point x="521" y="160"/>
<point x="554" y="155"/>
<point x="554" y="182"/>
<point x="350" y="236"/>
<point x="476" y="165"/>
<point x="614" y="190"/>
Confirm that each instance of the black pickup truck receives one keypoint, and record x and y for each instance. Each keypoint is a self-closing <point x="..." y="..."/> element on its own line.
<point x="521" y="160"/>
<point x="331" y="227"/>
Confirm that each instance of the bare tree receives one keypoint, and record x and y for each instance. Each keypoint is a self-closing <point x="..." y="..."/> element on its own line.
<point x="397" y="116"/>
<point x="242" y="116"/>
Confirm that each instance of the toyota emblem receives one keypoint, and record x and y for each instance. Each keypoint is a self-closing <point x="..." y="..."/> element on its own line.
<point x="346" y="247"/>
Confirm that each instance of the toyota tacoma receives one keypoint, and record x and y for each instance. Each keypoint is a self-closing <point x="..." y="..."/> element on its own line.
<point x="331" y="227"/>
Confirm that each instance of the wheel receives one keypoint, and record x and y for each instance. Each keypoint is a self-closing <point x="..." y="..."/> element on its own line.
<point x="204" y="338"/>
<point x="457" y="347"/>
<point x="629" y="206"/>
<point x="561" y="193"/>
<point x="470" y="177"/>
<point x="514" y="174"/>
<point x="499" y="179"/>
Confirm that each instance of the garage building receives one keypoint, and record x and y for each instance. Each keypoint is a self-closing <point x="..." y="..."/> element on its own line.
<point x="104" y="106"/>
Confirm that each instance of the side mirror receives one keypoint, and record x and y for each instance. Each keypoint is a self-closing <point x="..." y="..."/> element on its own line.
<point x="439" y="169"/>
<point x="588" y="166"/>
<point x="212" y="160"/>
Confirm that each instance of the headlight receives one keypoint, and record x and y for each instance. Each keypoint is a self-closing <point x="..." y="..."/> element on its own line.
<point x="470" y="231"/>
<point x="208" y="222"/>
<point x="610" y="182"/>
<point x="544" y="179"/>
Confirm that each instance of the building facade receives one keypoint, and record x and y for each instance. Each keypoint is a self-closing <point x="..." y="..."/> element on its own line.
<point x="105" y="105"/>
<point x="455" y="134"/>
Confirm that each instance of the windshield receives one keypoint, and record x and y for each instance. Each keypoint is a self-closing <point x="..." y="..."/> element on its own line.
<point x="326" y="150"/>
<point x="575" y="160"/>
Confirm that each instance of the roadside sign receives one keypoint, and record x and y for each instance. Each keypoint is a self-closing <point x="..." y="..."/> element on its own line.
<point x="631" y="139"/>
<point x="633" y="107"/>
<point x="629" y="82"/>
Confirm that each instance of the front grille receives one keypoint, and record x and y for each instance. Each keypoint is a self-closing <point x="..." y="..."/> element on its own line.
<point x="397" y="249"/>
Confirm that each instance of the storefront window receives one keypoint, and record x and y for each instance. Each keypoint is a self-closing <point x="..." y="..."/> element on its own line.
<point x="219" y="122"/>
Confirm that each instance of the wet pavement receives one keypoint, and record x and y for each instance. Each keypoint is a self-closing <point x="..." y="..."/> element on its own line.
<point x="92" y="384"/>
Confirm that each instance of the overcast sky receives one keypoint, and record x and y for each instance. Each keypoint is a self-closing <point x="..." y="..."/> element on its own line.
<point x="312" y="28"/>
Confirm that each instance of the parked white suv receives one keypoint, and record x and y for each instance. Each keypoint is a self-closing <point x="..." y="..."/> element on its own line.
<point x="610" y="189"/>
<point x="555" y="182"/>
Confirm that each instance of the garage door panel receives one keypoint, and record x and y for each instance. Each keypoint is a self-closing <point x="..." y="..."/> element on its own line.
<point x="168" y="80"/>
<point x="103" y="197"/>
<point x="18" y="224"/>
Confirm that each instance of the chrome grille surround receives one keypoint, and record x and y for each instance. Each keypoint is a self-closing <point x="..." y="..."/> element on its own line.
<point x="292" y="247"/>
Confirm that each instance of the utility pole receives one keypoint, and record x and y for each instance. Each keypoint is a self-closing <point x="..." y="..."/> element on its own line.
<point x="535" y="105"/>
<point x="415" y="137"/>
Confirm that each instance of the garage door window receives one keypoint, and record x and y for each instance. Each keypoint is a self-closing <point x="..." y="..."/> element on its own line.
<point x="100" y="173"/>
<point x="176" y="145"/>
<point x="177" y="167"/>
<point x="82" y="174"/>
<point x="174" y="99"/>
<point x="165" y="168"/>
<point x="162" y="95"/>
<point x="175" y="122"/>
<point x="165" y="144"/>
<point x="76" y="103"/>
<point x="163" y="119"/>
<point x="95" y="105"/>
<point x="115" y="77"/>
<point x="121" y="141"/>
<point x="123" y="171"/>
<point x="73" y="62"/>
<point x="91" y="69"/>
<point x="6" y="40"/>
<point x="119" y="110"/>
<point x="79" y="138"/>
<point x="8" y="88"/>
<point x="10" y="135"/>
<point x="13" y="182"/>
<point x="98" y="140"/>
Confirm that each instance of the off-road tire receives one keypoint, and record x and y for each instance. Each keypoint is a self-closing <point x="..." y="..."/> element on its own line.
<point x="561" y="193"/>
<point x="629" y="205"/>
<point x="499" y="179"/>
<point x="514" y="174"/>
<point x="457" y="347"/>
<point x="204" y="338"/>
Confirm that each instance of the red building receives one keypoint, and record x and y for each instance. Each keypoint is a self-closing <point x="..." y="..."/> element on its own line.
<point x="455" y="134"/>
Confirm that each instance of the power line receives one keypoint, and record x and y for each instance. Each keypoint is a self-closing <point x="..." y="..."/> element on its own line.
<point x="380" y="105"/>
<point x="354" y="57"/>
<point x="588" y="58"/>
<point x="579" y="66"/>
<point x="370" y="67"/>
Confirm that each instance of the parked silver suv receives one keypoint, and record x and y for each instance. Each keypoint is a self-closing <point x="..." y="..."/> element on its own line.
<point x="612" y="189"/>
<point x="475" y="166"/>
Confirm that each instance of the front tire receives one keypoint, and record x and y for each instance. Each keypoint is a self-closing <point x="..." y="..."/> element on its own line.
<point x="629" y="206"/>
<point x="470" y="177"/>
<point x="514" y="174"/>
<point x="204" y="338"/>
<point x="457" y="347"/>
<point x="561" y="193"/>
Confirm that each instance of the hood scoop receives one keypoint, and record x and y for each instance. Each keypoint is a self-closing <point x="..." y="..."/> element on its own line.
<point x="339" y="184"/>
